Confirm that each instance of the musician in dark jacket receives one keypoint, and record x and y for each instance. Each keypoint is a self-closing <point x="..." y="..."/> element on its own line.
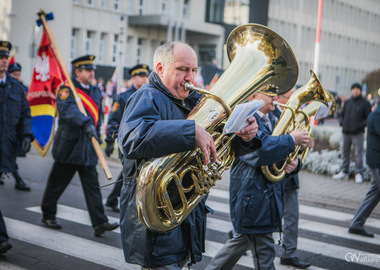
<point x="256" y="204"/>
<point x="15" y="119"/>
<point x="73" y="150"/>
<point x="154" y="125"/>
<point x="139" y="76"/>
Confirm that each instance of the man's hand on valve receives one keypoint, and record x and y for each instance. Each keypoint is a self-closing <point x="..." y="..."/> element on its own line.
<point x="205" y="142"/>
<point x="250" y="131"/>
<point x="300" y="137"/>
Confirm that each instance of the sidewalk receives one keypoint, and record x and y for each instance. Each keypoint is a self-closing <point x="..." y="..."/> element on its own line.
<point x="324" y="191"/>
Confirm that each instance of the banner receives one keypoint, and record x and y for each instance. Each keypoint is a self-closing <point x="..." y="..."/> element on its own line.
<point x="47" y="76"/>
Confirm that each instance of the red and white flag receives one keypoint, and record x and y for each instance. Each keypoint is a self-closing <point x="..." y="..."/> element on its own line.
<point x="47" y="76"/>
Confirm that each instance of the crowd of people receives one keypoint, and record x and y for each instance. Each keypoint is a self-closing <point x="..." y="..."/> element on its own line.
<point x="148" y="119"/>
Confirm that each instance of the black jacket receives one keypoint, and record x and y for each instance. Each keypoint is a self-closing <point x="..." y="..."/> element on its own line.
<point x="15" y="122"/>
<point x="117" y="111"/>
<point x="353" y="117"/>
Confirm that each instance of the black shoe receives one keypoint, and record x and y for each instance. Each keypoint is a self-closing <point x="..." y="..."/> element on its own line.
<point x="295" y="262"/>
<point x="51" y="223"/>
<point x="114" y="208"/>
<point x="4" y="247"/>
<point x="362" y="232"/>
<point x="230" y="234"/>
<point x="100" y="229"/>
<point x="20" y="184"/>
<point x="1" y="182"/>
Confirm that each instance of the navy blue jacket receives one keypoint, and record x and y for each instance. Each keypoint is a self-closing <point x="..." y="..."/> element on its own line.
<point x="71" y="144"/>
<point x="15" y="122"/>
<point x="256" y="204"/>
<point x="373" y="139"/>
<point x="118" y="106"/>
<point x="154" y="125"/>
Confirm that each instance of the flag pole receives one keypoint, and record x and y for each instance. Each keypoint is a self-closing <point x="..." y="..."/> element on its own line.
<point x="41" y="13"/>
<point x="318" y="37"/>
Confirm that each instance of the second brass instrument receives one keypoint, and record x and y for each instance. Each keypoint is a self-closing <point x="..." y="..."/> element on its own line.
<point x="293" y="117"/>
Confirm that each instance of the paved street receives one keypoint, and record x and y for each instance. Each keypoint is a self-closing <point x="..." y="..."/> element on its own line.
<point x="327" y="207"/>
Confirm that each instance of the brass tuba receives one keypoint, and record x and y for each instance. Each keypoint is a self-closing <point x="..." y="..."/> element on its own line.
<point x="170" y="187"/>
<point x="293" y="117"/>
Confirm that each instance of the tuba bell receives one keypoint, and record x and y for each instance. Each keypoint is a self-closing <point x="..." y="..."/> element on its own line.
<point x="293" y="117"/>
<point x="170" y="187"/>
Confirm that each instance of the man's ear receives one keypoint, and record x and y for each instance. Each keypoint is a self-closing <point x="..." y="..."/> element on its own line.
<point x="159" y="68"/>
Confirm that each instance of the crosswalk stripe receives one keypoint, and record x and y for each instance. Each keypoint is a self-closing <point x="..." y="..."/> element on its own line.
<point x="73" y="214"/>
<point x="9" y="266"/>
<point x="68" y="244"/>
<point x="326" y="249"/>
<point x="304" y="209"/>
<point x="335" y="215"/>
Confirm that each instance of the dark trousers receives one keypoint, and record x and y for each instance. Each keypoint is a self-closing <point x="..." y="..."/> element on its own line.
<point x="3" y="231"/>
<point x="60" y="176"/>
<point x="112" y="197"/>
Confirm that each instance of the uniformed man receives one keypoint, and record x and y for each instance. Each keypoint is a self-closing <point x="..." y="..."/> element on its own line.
<point x="15" y="122"/>
<point x="73" y="150"/>
<point x="14" y="70"/>
<point x="15" y="119"/>
<point x="139" y="76"/>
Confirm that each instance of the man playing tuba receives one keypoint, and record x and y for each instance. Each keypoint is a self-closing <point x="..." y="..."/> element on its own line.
<point x="154" y="125"/>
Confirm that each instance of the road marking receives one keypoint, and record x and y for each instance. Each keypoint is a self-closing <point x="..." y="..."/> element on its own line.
<point x="325" y="249"/>
<point x="68" y="244"/>
<point x="335" y="215"/>
<point x="9" y="266"/>
<point x="307" y="210"/>
<point x="73" y="214"/>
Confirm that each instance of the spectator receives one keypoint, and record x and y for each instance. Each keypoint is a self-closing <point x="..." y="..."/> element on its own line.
<point x="353" y="119"/>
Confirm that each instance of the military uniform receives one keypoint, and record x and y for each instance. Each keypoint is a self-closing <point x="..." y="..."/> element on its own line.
<point x="15" y="120"/>
<point x="73" y="151"/>
<point x="15" y="123"/>
<point x="117" y="111"/>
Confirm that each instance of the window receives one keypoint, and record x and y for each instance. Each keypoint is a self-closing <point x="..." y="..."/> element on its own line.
<point x="73" y="46"/>
<point x="101" y="47"/>
<point x="116" y="4"/>
<point x="128" y="60"/>
<point x="164" y="7"/>
<point x="90" y="2"/>
<point x="115" y="49"/>
<point x="89" y="42"/>
<point x="142" y="7"/>
<point x="103" y="3"/>
<point x="139" y="50"/>
<point x="185" y="11"/>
